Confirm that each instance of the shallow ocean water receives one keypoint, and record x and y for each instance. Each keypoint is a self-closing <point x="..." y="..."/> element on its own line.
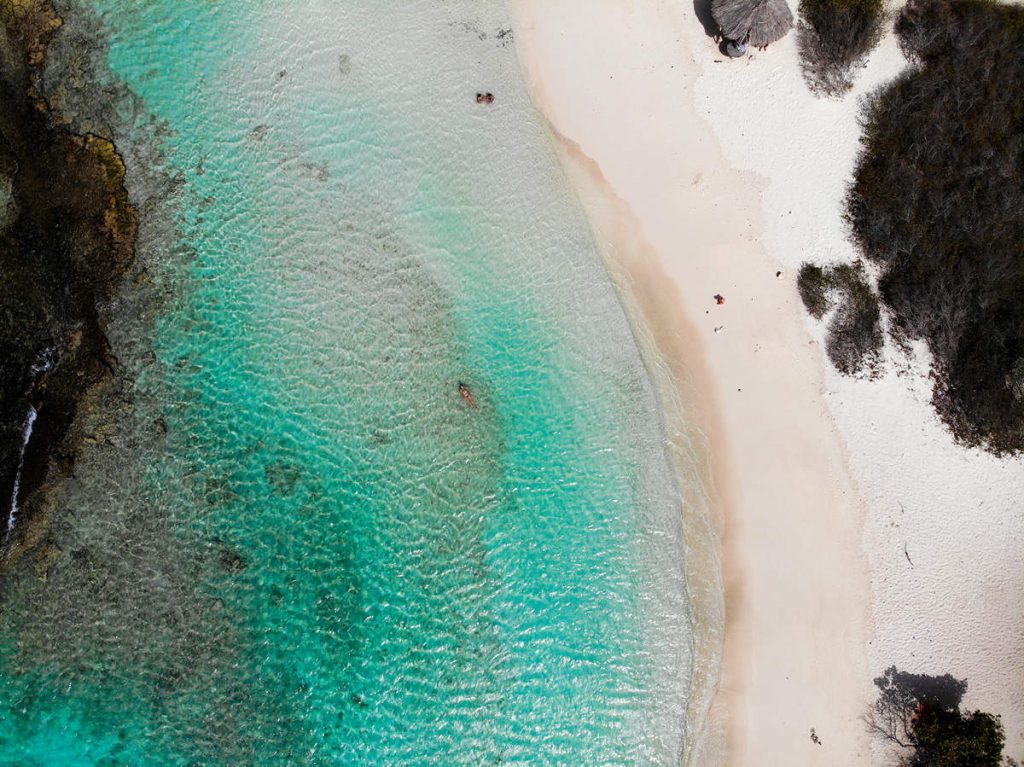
<point x="327" y="557"/>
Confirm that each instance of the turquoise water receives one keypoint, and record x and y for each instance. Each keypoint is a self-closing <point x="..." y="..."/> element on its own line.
<point x="300" y="545"/>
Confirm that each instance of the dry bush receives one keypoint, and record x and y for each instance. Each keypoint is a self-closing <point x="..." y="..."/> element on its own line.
<point x="937" y="202"/>
<point x="854" y="339"/>
<point x="834" y="38"/>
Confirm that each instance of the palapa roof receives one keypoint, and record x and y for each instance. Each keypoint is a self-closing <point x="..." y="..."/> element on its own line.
<point x="765" y="21"/>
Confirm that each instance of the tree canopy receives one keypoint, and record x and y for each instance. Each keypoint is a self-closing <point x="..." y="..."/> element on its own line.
<point x="921" y="714"/>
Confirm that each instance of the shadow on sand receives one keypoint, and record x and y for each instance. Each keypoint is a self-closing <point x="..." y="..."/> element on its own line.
<point x="702" y="8"/>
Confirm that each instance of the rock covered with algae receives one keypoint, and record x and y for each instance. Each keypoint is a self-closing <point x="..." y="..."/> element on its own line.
<point x="67" y="235"/>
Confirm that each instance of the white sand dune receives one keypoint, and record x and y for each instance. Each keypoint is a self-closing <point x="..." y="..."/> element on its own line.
<point x="705" y="176"/>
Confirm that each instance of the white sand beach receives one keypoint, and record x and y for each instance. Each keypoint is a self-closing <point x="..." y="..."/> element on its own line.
<point x="854" y="534"/>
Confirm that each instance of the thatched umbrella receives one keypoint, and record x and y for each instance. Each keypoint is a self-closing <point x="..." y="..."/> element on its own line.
<point x="757" y="22"/>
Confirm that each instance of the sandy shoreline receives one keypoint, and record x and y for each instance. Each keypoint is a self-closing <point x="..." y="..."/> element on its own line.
<point x="690" y="197"/>
<point x="775" y="460"/>
<point x="667" y="337"/>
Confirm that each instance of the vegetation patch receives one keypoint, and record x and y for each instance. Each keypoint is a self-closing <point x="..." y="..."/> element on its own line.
<point x="920" y="714"/>
<point x="854" y="339"/>
<point x="834" y="38"/>
<point x="937" y="203"/>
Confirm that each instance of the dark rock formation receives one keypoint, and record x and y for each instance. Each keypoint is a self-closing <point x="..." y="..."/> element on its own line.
<point x="66" y="239"/>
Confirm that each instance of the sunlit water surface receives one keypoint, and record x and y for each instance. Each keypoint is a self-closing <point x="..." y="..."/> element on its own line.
<point x="326" y="556"/>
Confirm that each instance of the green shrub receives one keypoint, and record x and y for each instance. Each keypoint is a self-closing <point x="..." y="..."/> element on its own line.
<point x="834" y="38"/>
<point x="854" y="338"/>
<point x="937" y="202"/>
<point x="954" y="739"/>
<point x="814" y="286"/>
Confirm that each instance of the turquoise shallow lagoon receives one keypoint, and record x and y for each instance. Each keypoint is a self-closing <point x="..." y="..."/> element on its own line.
<point x="325" y="556"/>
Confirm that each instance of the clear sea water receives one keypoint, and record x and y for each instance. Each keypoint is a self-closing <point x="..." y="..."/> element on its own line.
<point x="299" y="545"/>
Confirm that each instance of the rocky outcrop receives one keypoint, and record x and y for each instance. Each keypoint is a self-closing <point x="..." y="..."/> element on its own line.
<point x="67" y="236"/>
